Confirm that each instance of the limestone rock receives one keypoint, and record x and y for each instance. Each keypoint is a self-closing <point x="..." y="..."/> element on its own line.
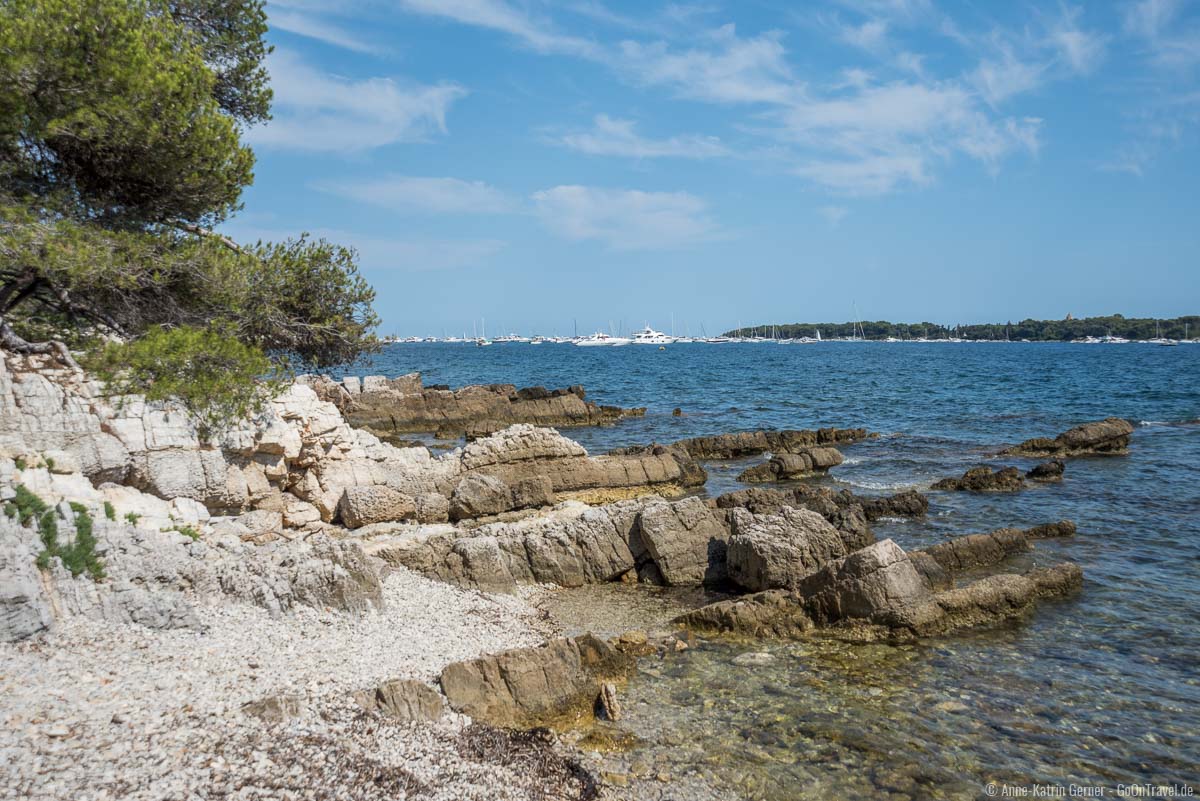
<point x="686" y="541"/>
<point x="362" y="506"/>
<point x="752" y="443"/>
<point x="556" y="683"/>
<point x="877" y="584"/>
<point x="24" y="608"/>
<point x="778" y="551"/>
<point x="1108" y="437"/>
<point x="773" y="613"/>
<point x="795" y="465"/>
<point x="984" y="479"/>
<point x="276" y="708"/>
<point x="404" y="700"/>
<point x="479" y="495"/>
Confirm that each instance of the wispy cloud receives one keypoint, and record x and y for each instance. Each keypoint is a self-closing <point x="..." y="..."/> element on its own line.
<point x="498" y="15"/>
<point x="1081" y="50"/>
<point x="617" y="137"/>
<point x="315" y="27"/>
<point x="1149" y="18"/>
<point x="998" y="80"/>
<point x="317" y="111"/>
<point x="870" y="35"/>
<point x="727" y="68"/>
<point x="626" y="219"/>
<point x="410" y="194"/>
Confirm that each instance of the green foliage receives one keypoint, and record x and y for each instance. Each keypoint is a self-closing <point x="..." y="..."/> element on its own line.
<point x="188" y="532"/>
<point x="107" y="109"/>
<point x="120" y="125"/>
<point x="214" y="376"/>
<point x="20" y="463"/>
<point x="132" y="518"/>
<point x="49" y="463"/>
<point x="80" y="555"/>
<point x="110" y="511"/>
<point x="25" y="505"/>
<point x="1034" y="330"/>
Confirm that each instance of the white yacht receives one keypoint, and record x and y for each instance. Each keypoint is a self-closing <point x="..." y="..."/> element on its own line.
<point x="648" y="336"/>
<point x="600" y="339"/>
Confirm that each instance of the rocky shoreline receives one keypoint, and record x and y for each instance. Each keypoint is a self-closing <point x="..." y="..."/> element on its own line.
<point x="302" y="607"/>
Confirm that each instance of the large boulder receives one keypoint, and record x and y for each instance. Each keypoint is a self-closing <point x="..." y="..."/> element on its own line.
<point x="1108" y="437"/>
<point x="362" y="506"/>
<point x="877" y="585"/>
<point x="479" y="495"/>
<point x="779" y="551"/>
<point x="686" y="541"/>
<point x="554" y="684"/>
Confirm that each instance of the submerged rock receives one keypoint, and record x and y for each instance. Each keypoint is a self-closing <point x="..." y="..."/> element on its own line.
<point x="555" y="684"/>
<point x="773" y="613"/>
<point x="1108" y="437"/>
<point x="1047" y="472"/>
<point x="790" y="466"/>
<point x="981" y="550"/>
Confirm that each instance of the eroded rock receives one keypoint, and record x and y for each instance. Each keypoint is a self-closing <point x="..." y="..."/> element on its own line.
<point x="1108" y="437"/>
<point x="794" y="465"/>
<point x="984" y="479"/>
<point x="556" y="684"/>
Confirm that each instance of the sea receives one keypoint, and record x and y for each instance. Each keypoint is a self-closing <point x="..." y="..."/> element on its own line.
<point x="1099" y="692"/>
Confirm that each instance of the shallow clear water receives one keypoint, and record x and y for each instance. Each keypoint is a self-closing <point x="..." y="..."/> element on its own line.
<point x="1103" y="688"/>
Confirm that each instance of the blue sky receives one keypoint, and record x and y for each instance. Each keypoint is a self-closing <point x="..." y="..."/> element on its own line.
<point x="546" y="164"/>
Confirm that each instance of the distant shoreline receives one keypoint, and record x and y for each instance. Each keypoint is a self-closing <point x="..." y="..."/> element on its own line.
<point x="1111" y="328"/>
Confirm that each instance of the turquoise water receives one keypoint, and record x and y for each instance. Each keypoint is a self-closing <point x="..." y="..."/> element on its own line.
<point x="1103" y="688"/>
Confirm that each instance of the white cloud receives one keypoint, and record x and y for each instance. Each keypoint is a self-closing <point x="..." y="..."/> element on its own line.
<point x="626" y="219"/>
<point x="617" y="137"/>
<point x="999" y="80"/>
<point x="730" y="69"/>
<point x="500" y="16"/>
<point x="317" y="111"/>
<point x="1149" y="18"/>
<point x="870" y="36"/>
<point x="1082" y="51"/>
<point x="313" y="27"/>
<point x="870" y="175"/>
<point x="419" y="194"/>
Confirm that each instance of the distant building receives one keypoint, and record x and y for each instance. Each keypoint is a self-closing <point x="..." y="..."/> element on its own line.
<point x="1070" y="317"/>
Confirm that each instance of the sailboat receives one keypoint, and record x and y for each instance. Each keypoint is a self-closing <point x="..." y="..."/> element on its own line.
<point x="483" y="341"/>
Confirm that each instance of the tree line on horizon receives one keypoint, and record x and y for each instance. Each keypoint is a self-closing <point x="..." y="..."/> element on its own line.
<point x="1034" y="330"/>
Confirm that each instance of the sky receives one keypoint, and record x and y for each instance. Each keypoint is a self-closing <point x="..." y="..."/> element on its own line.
<point x="553" y="166"/>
